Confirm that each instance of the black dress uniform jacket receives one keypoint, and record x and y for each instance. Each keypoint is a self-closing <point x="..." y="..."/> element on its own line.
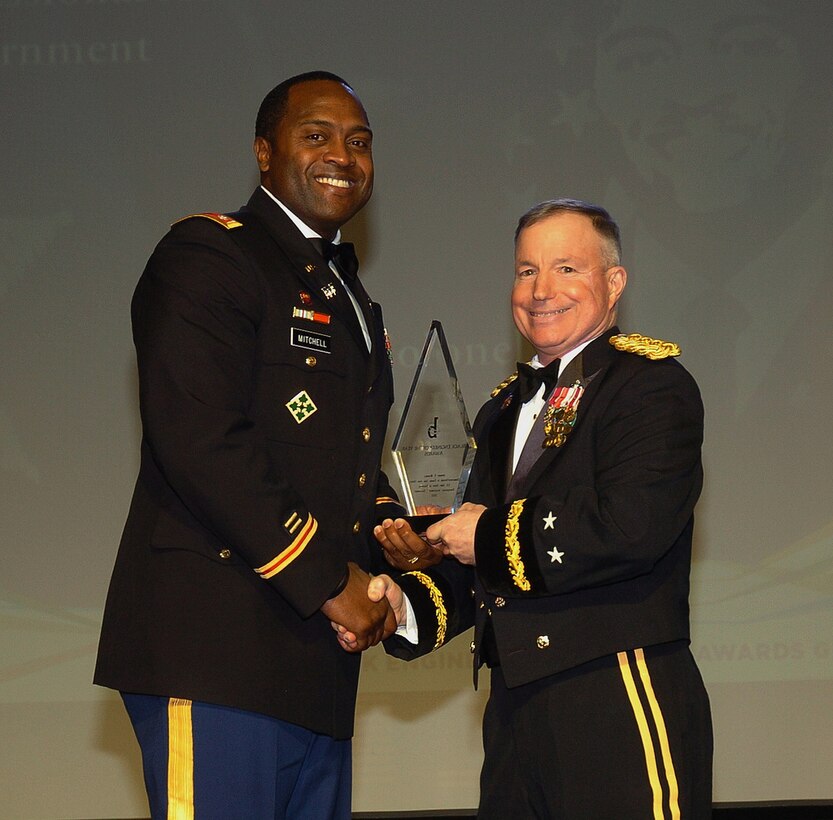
<point x="263" y="424"/>
<point x="592" y="555"/>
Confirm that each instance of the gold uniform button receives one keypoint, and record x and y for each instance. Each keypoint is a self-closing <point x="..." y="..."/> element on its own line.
<point x="542" y="641"/>
<point x="362" y="480"/>
<point x="357" y="526"/>
<point x="366" y="434"/>
<point x="500" y="601"/>
<point x="471" y="647"/>
<point x="225" y="554"/>
<point x="312" y="361"/>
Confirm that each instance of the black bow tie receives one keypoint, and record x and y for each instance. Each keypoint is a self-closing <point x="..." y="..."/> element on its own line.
<point x="531" y="378"/>
<point x="343" y="255"/>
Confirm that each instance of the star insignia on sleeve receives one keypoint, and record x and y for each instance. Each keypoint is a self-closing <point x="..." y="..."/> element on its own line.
<point x="549" y="521"/>
<point x="555" y="555"/>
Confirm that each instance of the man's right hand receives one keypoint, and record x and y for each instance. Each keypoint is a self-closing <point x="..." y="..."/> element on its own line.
<point x="368" y="621"/>
<point x="380" y="588"/>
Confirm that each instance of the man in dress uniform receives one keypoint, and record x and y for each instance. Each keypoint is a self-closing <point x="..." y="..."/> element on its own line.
<point x="265" y="384"/>
<point x="576" y="543"/>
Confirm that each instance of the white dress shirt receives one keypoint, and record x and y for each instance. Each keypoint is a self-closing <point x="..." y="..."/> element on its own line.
<point x="309" y="233"/>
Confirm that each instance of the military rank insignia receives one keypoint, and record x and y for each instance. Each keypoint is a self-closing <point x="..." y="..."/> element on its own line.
<point x="301" y="407"/>
<point x="560" y="415"/>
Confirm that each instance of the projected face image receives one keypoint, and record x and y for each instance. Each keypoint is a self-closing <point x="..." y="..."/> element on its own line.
<point x="319" y="162"/>
<point x="700" y="95"/>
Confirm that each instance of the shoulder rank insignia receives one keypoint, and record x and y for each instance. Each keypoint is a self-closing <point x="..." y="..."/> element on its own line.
<point x="645" y="346"/>
<point x="504" y="384"/>
<point x="221" y="219"/>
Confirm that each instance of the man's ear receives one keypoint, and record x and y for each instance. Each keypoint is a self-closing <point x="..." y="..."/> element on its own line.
<point x="263" y="153"/>
<point x="617" y="278"/>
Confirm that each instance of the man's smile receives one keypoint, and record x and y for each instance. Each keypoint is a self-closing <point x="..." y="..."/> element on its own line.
<point x="335" y="182"/>
<point x="543" y="314"/>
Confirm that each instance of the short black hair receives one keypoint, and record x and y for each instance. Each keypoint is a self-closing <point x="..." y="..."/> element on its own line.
<point x="273" y="106"/>
<point x="602" y="221"/>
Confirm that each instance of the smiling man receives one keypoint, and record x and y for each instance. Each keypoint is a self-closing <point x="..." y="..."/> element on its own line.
<point x="264" y="386"/>
<point x="576" y="544"/>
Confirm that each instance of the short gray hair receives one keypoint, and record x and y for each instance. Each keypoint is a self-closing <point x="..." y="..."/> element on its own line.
<point x="607" y="229"/>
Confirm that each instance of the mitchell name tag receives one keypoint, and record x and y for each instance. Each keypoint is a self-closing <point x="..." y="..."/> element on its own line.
<point x="310" y="340"/>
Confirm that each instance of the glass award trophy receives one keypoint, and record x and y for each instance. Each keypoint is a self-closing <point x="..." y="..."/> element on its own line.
<point x="433" y="448"/>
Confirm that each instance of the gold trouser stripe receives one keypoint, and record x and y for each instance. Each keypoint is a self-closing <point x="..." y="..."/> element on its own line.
<point x="180" y="760"/>
<point x="644" y="733"/>
<point x="662" y="733"/>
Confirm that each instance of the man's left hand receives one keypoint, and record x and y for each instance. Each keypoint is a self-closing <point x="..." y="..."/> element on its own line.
<point x="404" y="549"/>
<point x="455" y="533"/>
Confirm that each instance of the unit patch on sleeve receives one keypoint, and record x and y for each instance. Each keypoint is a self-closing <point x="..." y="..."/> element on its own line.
<point x="301" y="407"/>
<point x="310" y="340"/>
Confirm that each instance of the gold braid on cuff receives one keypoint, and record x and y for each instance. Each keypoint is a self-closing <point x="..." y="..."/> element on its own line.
<point x="439" y="605"/>
<point x="513" y="548"/>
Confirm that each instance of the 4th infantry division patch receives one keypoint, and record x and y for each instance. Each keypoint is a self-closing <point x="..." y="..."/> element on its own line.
<point x="301" y="406"/>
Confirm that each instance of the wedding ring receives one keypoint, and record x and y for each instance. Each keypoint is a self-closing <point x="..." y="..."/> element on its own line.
<point x="413" y="559"/>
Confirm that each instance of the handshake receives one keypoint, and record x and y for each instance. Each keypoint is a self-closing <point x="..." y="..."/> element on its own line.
<point x="370" y="609"/>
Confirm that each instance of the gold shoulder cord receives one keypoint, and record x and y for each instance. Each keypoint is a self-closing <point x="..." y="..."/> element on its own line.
<point x="513" y="548"/>
<point x="645" y="346"/>
<point x="227" y="222"/>
<point x="504" y="384"/>
<point x="439" y="605"/>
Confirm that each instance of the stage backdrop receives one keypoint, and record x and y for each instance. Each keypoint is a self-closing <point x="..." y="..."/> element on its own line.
<point x="704" y="127"/>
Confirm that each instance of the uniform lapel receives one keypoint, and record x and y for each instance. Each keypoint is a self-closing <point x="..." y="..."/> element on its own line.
<point x="596" y="358"/>
<point x="379" y="352"/>
<point x="313" y="270"/>
<point x="497" y="446"/>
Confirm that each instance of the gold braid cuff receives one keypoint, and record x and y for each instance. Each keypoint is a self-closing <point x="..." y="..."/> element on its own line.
<point x="439" y="605"/>
<point x="513" y="548"/>
<point x="645" y="346"/>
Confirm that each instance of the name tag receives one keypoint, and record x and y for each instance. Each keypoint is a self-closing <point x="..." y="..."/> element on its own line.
<point x="310" y="340"/>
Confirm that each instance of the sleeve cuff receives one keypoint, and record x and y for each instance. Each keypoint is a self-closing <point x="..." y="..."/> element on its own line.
<point x="505" y="549"/>
<point x="425" y="593"/>
<point x="389" y="507"/>
<point x="410" y="629"/>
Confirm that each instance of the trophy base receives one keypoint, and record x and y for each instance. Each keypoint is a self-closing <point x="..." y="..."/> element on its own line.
<point x="420" y="523"/>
